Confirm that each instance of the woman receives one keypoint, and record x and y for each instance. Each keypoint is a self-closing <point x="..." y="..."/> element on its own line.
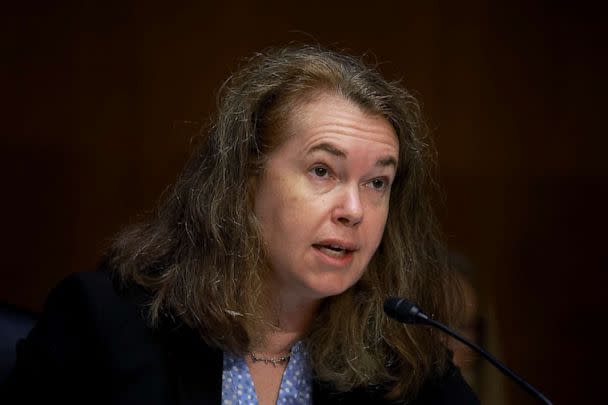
<point x="262" y="276"/>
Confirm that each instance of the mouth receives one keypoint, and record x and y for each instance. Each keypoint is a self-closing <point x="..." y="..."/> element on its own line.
<point x="335" y="249"/>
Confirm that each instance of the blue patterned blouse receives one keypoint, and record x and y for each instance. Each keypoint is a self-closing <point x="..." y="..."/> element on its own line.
<point x="296" y="385"/>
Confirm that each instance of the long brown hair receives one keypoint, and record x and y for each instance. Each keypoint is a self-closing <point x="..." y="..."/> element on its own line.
<point x="202" y="258"/>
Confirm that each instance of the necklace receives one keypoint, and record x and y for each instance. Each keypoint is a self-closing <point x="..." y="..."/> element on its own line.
<point x="275" y="361"/>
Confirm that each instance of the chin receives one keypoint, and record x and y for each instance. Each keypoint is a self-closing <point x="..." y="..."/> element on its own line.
<point x="332" y="290"/>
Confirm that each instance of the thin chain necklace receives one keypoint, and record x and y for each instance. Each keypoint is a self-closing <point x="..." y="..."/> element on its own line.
<point x="275" y="361"/>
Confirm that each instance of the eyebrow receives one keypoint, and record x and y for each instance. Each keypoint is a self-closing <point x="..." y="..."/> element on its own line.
<point x="387" y="161"/>
<point x="329" y="148"/>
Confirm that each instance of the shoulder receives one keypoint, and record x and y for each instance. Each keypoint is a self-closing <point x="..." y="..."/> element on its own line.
<point x="87" y="304"/>
<point x="80" y="292"/>
<point x="89" y="288"/>
<point x="88" y="312"/>
<point x="89" y="336"/>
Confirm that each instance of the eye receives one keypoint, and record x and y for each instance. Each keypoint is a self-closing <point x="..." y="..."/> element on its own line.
<point x="378" y="184"/>
<point x="320" y="171"/>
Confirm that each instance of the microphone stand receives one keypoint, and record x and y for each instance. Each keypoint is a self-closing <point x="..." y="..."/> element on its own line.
<point x="404" y="311"/>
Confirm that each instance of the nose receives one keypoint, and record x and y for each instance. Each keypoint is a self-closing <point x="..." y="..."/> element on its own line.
<point x="349" y="209"/>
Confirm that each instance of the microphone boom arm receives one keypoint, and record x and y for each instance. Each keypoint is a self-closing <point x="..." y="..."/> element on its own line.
<point x="504" y="369"/>
<point x="404" y="311"/>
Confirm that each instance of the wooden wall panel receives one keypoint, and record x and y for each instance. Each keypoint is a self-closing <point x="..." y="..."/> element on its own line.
<point x="513" y="92"/>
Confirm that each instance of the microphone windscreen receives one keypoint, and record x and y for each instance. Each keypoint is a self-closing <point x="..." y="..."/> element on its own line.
<point x="401" y="310"/>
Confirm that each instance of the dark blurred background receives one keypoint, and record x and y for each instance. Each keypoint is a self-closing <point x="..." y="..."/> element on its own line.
<point x="98" y="96"/>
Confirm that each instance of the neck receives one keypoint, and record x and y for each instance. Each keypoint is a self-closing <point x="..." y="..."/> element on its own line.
<point x="293" y="320"/>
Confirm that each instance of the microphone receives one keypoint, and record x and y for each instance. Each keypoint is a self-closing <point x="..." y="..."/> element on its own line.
<point x="407" y="312"/>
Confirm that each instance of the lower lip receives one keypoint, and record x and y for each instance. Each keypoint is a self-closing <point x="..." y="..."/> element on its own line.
<point x="341" y="261"/>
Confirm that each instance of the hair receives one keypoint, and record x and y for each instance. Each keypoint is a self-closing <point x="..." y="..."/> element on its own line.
<point x="202" y="258"/>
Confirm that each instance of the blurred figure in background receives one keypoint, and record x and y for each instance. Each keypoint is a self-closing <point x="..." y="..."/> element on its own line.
<point x="478" y="325"/>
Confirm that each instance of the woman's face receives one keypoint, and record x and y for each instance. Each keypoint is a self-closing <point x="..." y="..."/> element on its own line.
<point x="323" y="199"/>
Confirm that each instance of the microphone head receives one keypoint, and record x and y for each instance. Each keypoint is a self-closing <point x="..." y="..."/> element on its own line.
<point x="403" y="311"/>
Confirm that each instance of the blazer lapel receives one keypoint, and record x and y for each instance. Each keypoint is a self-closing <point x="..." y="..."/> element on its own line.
<point x="195" y="367"/>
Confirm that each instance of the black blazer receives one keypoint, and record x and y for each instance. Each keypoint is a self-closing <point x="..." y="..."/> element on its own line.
<point x="92" y="345"/>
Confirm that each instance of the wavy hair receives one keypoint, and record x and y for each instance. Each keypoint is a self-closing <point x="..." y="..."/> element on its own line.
<point x="202" y="257"/>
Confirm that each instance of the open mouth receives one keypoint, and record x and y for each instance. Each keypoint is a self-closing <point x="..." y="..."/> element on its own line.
<point x="333" y="250"/>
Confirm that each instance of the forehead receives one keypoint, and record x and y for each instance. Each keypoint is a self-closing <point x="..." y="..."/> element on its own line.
<point x="332" y="117"/>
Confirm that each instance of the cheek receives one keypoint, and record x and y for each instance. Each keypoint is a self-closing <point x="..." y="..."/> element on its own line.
<point x="295" y="199"/>
<point x="297" y="216"/>
<point x="281" y="208"/>
<point x="377" y="226"/>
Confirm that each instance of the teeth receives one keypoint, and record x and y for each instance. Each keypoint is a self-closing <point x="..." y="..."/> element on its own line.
<point x="330" y="251"/>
